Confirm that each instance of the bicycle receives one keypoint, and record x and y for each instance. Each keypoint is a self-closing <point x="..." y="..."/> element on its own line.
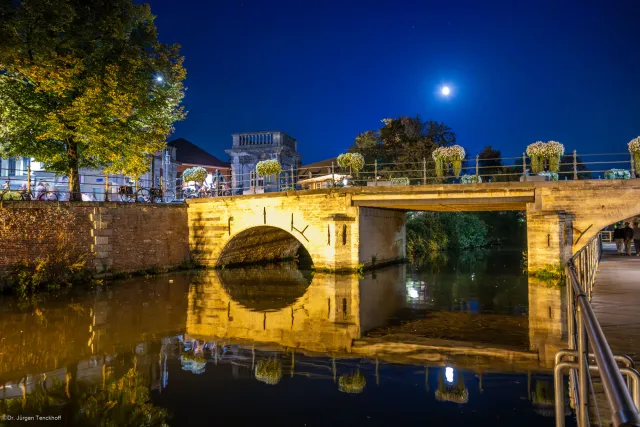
<point x="156" y="195"/>
<point x="126" y="194"/>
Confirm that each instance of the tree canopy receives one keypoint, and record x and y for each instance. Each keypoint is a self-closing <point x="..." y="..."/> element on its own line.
<point x="86" y="83"/>
<point x="405" y="140"/>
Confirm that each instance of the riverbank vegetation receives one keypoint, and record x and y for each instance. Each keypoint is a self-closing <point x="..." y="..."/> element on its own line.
<point x="430" y="233"/>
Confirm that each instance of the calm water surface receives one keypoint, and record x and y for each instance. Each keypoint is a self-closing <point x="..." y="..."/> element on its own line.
<point x="467" y="340"/>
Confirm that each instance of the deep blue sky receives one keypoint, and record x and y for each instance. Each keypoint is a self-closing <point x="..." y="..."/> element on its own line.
<point x="324" y="71"/>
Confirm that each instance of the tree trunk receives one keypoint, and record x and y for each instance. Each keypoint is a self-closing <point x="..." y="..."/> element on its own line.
<point x="74" y="175"/>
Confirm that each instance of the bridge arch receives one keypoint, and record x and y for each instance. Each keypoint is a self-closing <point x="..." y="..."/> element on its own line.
<point x="592" y="225"/>
<point x="263" y="244"/>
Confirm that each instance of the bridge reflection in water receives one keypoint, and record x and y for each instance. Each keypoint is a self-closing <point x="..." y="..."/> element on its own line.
<point x="345" y="316"/>
<point x="270" y="323"/>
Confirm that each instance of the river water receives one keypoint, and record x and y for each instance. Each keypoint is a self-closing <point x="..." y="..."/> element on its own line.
<point x="464" y="340"/>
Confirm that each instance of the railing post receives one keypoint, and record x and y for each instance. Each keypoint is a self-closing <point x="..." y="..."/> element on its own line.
<point x="524" y="166"/>
<point x="583" y="410"/>
<point x="333" y="178"/>
<point x="424" y="171"/>
<point x="633" y="166"/>
<point x="477" y="166"/>
<point x="29" y="178"/>
<point x="575" y="165"/>
<point x="106" y="188"/>
<point x="375" y="172"/>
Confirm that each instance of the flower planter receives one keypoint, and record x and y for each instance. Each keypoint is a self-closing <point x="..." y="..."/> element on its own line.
<point x="446" y="157"/>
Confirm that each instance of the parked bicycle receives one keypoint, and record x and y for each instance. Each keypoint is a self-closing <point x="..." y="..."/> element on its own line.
<point x="145" y="195"/>
<point x="156" y="195"/>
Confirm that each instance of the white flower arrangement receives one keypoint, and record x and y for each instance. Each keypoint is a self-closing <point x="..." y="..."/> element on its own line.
<point x="399" y="181"/>
<point x="553" y="176"/>
<point x="551" y="151"/>
<point x="196" y="173"/>
<point x="617" y="174"/>
<point x="445" y="156"/>
<point x="387" y="122"/>
<point x="634" y="149"/>
<point x="355" y="161"/>
<point x="470" y="179"/>
<point x="268" y="167"/>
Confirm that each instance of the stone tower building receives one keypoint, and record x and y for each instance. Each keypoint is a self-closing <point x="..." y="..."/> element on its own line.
<point x="251" y="147"/>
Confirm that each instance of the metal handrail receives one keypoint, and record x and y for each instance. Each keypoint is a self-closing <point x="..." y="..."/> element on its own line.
<point x="580" y="271"/>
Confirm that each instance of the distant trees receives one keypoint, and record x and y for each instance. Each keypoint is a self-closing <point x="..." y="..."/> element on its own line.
<point x="402" y="142"/>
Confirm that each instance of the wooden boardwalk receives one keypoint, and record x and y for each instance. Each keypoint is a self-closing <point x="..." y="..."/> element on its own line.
<point x="616" y="302"/>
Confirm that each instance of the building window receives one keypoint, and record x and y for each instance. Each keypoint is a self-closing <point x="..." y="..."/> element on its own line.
<point x="12" y="166"/>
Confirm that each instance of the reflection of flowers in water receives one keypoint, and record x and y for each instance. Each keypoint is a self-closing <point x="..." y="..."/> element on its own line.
<point x="352" y="383"/>
<point x="543" y="399"/>
<point x="450" y="392"/>
<point x="193" y="363"/>
<point x="269" y="371"/>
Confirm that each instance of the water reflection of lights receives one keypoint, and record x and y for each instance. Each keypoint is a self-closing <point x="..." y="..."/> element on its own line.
<point x="448" y="374"/>
<point x="415" y="288"/>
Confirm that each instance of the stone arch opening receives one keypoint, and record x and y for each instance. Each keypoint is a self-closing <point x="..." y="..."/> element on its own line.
<point x="263" y="245"/>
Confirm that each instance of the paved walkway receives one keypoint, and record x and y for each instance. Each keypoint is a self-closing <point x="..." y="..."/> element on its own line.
<point x="616" y="302"/>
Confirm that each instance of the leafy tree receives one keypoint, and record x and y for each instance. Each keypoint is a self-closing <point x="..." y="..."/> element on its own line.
<point x="85" y="83"/>
<point x="490" y="162"/>
<point x="566" y="168"/>
<point x="402" y="144"/>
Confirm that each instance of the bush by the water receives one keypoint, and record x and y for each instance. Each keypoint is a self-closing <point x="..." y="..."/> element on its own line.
<point x="429" y="233"/>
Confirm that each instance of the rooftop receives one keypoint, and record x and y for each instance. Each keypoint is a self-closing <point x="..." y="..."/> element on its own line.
<point x="189" y="153"/>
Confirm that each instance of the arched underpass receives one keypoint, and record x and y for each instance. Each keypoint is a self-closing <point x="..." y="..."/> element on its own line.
<point x="261" y="245"/>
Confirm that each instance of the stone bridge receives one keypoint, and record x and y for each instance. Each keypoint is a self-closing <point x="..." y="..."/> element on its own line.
<point x="341" y="229"/>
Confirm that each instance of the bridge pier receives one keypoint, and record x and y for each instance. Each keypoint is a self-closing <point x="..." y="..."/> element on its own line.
<point x="549" y="238"/>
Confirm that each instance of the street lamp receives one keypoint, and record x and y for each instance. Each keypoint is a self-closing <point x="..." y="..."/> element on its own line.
<point x="167" y="162"/>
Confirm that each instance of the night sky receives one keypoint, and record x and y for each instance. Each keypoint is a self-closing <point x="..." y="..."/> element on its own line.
<point x="324" y="71"/>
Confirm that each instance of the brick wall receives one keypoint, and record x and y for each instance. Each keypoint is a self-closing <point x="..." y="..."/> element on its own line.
<point x="117" y="237"/>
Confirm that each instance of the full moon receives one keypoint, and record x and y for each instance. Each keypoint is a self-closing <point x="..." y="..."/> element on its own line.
<point x="445" y="90"/>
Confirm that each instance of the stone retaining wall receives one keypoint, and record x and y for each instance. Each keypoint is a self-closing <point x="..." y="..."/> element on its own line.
<point x="117" y="237"/>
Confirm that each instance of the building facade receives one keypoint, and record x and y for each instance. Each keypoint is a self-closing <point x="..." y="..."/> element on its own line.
<point x="250" y="148"/>
<point x="94" y="183"/>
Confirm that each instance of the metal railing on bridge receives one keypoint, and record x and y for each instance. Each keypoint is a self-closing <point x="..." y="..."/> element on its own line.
<point x="100" y="187"/>
<point x="584" y="333"/>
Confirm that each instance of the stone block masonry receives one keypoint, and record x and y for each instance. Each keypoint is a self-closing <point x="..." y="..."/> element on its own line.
<point x="116" y="237"/>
